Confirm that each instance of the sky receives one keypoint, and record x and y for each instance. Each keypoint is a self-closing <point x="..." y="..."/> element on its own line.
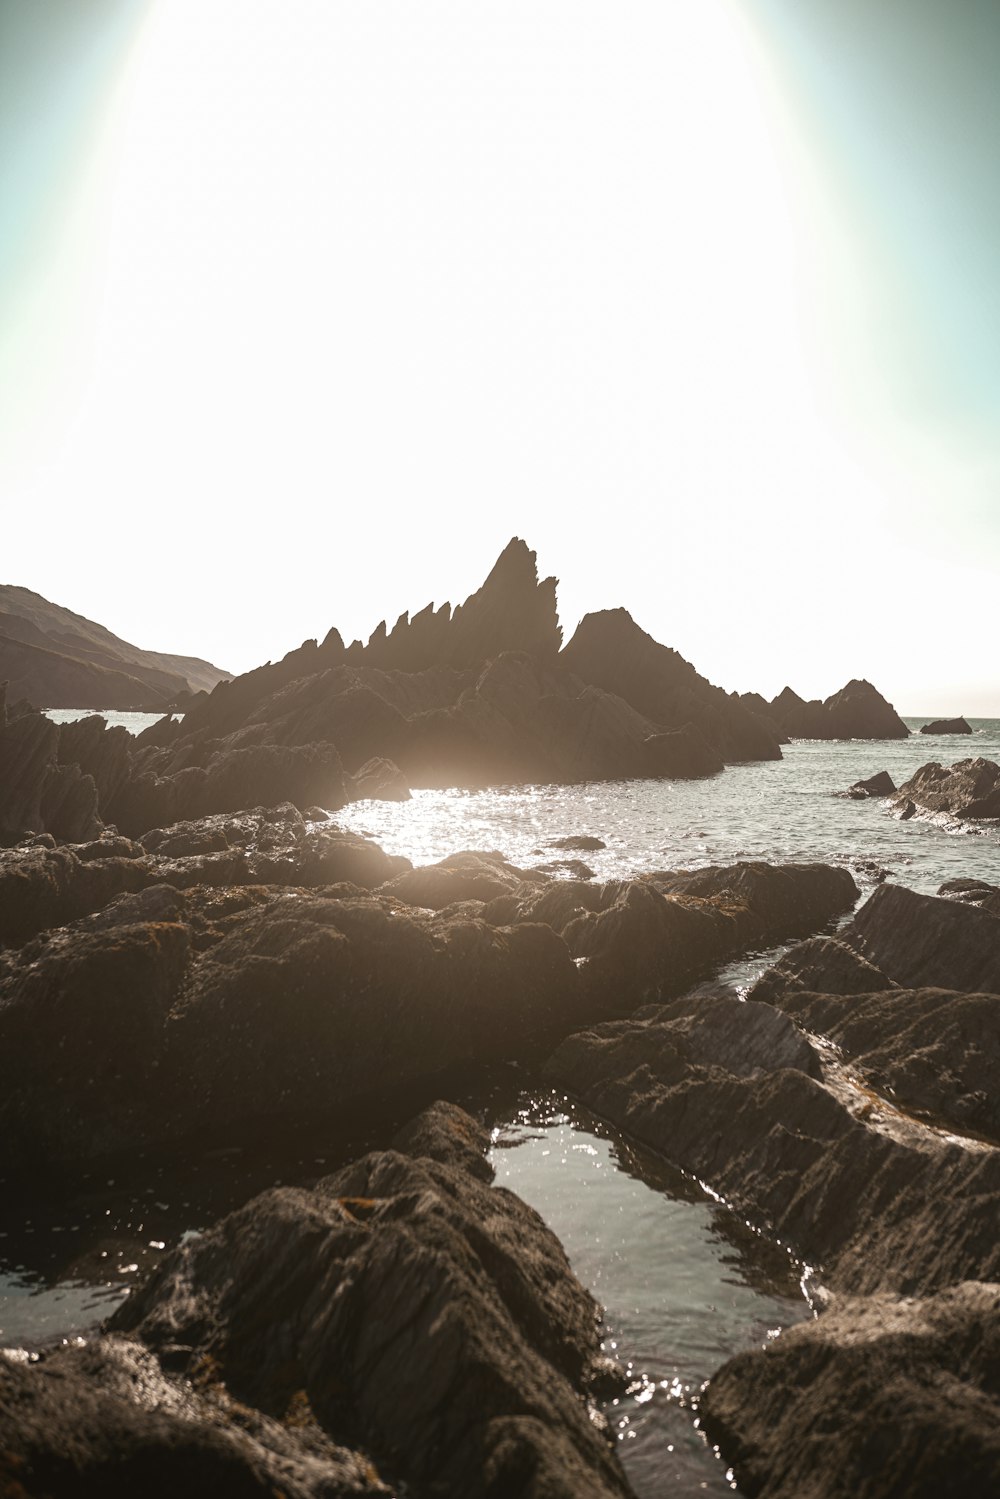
<point x="305" y="310"/>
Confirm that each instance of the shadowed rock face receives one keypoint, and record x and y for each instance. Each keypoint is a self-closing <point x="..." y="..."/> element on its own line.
<point x="969" y="789"/>
<point x="879" y="1397"/>
<point x="610" y="651"/>
<point x="857" y="711"/>
<point x="412" y="1308"/>
<point x="898" y="937"/>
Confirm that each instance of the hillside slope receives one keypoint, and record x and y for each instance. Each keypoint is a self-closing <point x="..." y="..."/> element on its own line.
<point x="59" y="659"/>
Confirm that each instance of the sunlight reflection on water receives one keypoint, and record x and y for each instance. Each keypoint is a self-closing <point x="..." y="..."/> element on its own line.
<point x="778" y="811"/>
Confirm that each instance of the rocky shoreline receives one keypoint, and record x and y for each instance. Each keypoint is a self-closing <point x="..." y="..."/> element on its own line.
<point x="191" y="950"/>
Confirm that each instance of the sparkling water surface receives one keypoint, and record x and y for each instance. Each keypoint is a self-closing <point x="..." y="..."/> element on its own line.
<point x="134" y="722"/>
<point x="684" y="1282"/>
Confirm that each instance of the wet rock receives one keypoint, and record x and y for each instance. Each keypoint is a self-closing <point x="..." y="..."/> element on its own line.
<point x="878" y="785"/>
<point x="103" y="1418"/>
<point x="380" y="780"/>
<point x="878" y="1200"/>
<point x="930" y="1050"/>
<point x="421" y="1313"/>
<point x="947" y="726"/>
<point x="769" y="901"/>
<point x="969" y="789"/>
<point x="820" y="965"/>
<point x="877" y="1397"/>
<point x="923" y="941"/>
<point x="973" y="893"/>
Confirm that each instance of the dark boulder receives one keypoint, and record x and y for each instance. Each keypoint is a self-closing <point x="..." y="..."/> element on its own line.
<point x="947" y="726"/>
<point x="415" y="1310"/>
<point x="878" y="785"/>
<point x="969" y="789"/>
<point x="573" y="869"/>
<point x="879" y="1397"/>
<point x="232" y="779"/>
<point x="47" y="887"/>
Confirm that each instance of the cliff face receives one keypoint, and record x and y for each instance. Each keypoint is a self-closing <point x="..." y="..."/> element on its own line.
<point x="59" y="659"/>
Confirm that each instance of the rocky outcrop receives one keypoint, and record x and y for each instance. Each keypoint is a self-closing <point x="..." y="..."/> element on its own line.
<point x="848" y="1181"/>
<point x="857" y="711"/>
<point x="878" y="785"/>
<point x="879" y="1397"/>
<point x="37" y="794"/>
<point x="407" y="1307"/>
<point x="898" y="937"/>
<point x="969" y="789"/>
<point x="923" y="941"/>
<point x="233" y="778"/>
<point x="947" y="726"/>
<point x="934" y="1051"/>
<point x="610" y="651"/>
<point x="973" y="893"/>
<point x="42" y="886"/>
<point x="251" y="980"/>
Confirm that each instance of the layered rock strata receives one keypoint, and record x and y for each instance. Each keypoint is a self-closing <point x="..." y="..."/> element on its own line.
<point x="402" y="1318"/>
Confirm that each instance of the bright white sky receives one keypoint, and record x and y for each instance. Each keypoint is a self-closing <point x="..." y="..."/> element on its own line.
<point x="329" y="300"/>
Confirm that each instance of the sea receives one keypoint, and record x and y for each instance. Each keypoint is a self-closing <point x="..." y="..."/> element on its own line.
<point x="684" y="1282"/>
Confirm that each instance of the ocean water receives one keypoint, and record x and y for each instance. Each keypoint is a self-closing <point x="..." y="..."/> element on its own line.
<point x="684" y="1282"/>
<point x="134" y="722"/>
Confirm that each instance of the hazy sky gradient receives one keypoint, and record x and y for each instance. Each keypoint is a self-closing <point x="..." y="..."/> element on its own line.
<point x="305" y="310"/>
